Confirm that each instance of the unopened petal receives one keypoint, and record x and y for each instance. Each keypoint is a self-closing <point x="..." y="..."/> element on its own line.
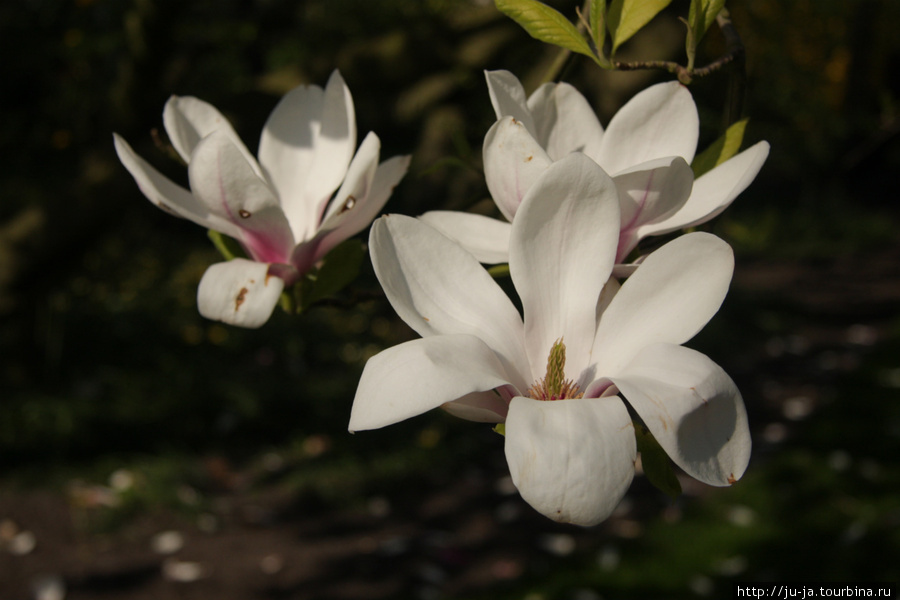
<point x="660" y="121"/>
<point x="714" y="191"/>
<point x="508" y="97"/>
<point x="513" y="160"/>
<point x="486" y="238"/>
<point x="692" y="408"/>
<point x="564" y="121"/>
<point x="437" y="287"/>
<point x="239" y="292"/>
<point x="572" y="460"/>
<point x="672" y="294"/>
<point x="407" y="380"/>
<point x="561" y="254"/>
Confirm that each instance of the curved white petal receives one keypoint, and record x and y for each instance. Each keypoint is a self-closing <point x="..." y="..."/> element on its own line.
<point x="358" y="216"/>
<point x="306" y="147"/>
<point x="692" y="408"/>
<point x="564" y="121"/>
<point x="486" y="238"/>
<point x="561" y="254"/>
<point x="481" y="407"/>
<point x="513" y="160"/>
<point x="224" y="181"/>
<point x="188" y="120"/>
<point x="649" y="193"/>
<point x="714" y="191"/>
<point x="165" y="194"/>
<point x="660" y="121"/>
<point x="357" y="183"/>
<point x="508" y="97"/>
<point x="239" y="292"/>
<point x="572" y="460"/>
<point x="673" y="293"/>
<point x="437" y="287"/>
<point x="417" y="376"/>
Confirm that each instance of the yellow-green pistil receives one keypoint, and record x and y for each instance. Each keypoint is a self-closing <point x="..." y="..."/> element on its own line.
<point x="554" y="385"/>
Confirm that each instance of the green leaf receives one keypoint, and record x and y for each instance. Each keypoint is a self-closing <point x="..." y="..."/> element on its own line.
<point x="598" y="24"/>
<point x="498" y="271"/>
<point x="340" y="268"/>
<point x="720" y="150"/>
<point x="656" y="463"/>
<point x="702" y="15"/>
<point x="227" y="247"/>
<point x="545" y="24"/>
<point x="500" y="428"/>
<point x="627" y="17"/>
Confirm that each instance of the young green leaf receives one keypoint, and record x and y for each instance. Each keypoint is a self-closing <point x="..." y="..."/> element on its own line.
<point x="626" y="17"/>
<point x="341" y="267"/>
<point x="720" y="150"/>
<point x="598" y="24"/>
<point x="701" y="16"/>
<point x="228" y="247"/>
<point x="545" y="24"/>
<point x="656" y="463"/>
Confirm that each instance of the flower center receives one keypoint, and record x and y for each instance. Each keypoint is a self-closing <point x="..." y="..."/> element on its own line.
<point x="554" y="385"/>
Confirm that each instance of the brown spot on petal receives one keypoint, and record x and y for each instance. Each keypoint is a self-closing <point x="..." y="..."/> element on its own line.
<point x="245" y="214"/>
<point x="529" y="158"/>
<point x="731" y="479"/>
<point x="242" y="295"/>
<point x="426" y="318"/>
<point x="349" y="203"/>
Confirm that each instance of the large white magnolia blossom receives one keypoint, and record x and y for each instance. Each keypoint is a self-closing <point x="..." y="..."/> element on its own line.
<point x="552" y="376"/>
<point x="283" y="209"/>
<point x="647" y="148"/>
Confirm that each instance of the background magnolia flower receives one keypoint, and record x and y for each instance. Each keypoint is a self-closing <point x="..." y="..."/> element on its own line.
<point x="582" y="340"/>
<point x="283" y="208"/>
<point x="647" y="148"/>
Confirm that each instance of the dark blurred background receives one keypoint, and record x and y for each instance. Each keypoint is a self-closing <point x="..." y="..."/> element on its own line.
<point x="125" y="415"/>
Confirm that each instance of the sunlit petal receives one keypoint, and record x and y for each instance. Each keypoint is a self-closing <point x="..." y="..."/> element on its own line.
<point x="673" y="293"/>
<point x="508" y="97"/>
<point x="486" y="238"/>
<point x="564" y="121"/>
<point x="572" y="460"/>
<point x="513" y="160"/>
<point x="419" y="375"/>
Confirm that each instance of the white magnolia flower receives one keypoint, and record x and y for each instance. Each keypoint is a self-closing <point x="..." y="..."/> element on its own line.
<point x="647" y="148"/>
<point x="569" y="442"/>
<point x="283" y="209"/>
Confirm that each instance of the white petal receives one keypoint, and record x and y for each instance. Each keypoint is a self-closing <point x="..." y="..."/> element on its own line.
<point x="306" y="147"/>
<point x="561" y="254"/>
<point x="358" y="216"/>
<point x="481" y="407"/>
<point x="649" y="193"/>
<point x="239" y="292"/>
<point x="357" y="182"/>
<point x="564" y="121"/>
<point x="513" y="160"/>
<point x="165" y="194"/>
<point x="572" y="460"/>
<point x="659" y="121"/>
<point x="417" y="376"/>
<point x="486" y="238"/>
<point x="692" y="408"/>
<point x="188" y="120"/>
<point x="508" y="97"/>
<point x="673" y="293"/>
<point x="224" y="181"/>
<point x="715" y="190"/>
<point x="437" y="287"/>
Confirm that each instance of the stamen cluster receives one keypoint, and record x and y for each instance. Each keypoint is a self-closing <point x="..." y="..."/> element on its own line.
<point x="553" y="386"/>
